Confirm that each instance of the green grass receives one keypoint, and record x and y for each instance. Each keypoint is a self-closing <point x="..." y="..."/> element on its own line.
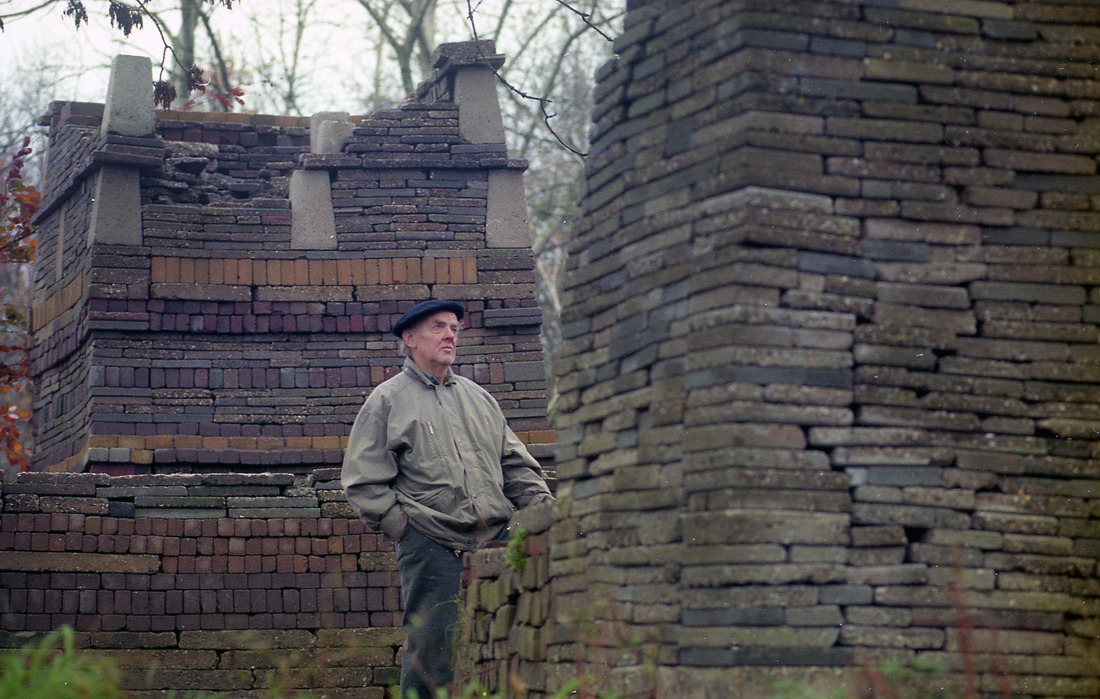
<point x="54" y="669"/>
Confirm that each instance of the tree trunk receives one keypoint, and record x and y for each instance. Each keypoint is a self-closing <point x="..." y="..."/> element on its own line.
<point x="183" y="45"/>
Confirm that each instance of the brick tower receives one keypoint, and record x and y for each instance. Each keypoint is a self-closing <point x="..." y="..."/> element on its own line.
<point x="214" y="292"/>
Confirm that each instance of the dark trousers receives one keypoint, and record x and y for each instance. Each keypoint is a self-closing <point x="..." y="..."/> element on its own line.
<point x="431" y="581"/>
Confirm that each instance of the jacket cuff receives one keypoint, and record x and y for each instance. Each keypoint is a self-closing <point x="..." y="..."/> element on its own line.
<point x="394" y="522"/>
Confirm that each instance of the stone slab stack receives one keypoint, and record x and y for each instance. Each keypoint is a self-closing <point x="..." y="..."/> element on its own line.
<point x="203" y="582"/>
<point x="829" y="388"/>
<point x="215" y="291"/>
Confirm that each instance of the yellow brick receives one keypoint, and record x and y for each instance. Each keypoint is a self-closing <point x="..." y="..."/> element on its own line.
<point x="156" y="274"/>
<point x="401" y="271"/>
<point x="329" y="274"/>
<point x="215" y="272"/>
<point x="259" y="272"/>
<point x="370" y="271"/>
<point x="229" y="271"/>
<point x="171" y="270"/>
<point x="316" y="273"/>
<point x="541" y="437"/>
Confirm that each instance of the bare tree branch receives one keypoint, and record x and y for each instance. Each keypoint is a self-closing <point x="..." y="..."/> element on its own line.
<point x="543" y="102"/>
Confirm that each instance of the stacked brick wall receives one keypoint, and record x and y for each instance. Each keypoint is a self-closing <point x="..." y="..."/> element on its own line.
<point x="829" y="374"/>
<point x="211" y="583"/>
<point x="507" y="627"/>
<point x="223" y="342"/>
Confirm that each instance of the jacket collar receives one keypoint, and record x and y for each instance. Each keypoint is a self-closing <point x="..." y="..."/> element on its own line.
<point x="424" y="377"/>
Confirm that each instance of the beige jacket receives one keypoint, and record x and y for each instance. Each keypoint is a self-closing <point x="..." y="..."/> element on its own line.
<point x="439" y="456"/>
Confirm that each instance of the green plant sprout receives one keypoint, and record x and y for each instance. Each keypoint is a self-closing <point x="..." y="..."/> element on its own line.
<point x="516" y="555"/>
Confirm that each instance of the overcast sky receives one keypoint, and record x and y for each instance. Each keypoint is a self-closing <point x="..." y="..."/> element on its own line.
<point x="76" y="62"/>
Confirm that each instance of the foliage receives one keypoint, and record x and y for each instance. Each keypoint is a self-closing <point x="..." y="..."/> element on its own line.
<point x="476" y="690"/>
<point x="54" y="669"/>
<point x="127" y="17"/>
<point x="18" y="204"/>
<point x="515" y="554"/>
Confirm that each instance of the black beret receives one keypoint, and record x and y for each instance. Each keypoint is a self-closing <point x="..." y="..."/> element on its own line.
<point x="423" y="310"/>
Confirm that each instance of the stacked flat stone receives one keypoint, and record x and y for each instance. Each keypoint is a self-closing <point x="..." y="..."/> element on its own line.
<point x="225" y="304"/>
<point x="203" y="582"/>
<point x="829" y="387"/>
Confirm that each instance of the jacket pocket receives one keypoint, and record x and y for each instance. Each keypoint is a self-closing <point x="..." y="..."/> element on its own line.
<point x="440" y="500"/>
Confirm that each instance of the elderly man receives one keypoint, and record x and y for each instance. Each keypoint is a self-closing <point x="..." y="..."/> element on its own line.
<point x="432" y="463"/>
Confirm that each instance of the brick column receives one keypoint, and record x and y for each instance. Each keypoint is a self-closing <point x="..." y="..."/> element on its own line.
<point x="245" y="329"/>
<point x="829" y="363"/>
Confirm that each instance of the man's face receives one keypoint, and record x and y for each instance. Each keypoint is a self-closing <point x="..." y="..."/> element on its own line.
<point x="432" y="342"/>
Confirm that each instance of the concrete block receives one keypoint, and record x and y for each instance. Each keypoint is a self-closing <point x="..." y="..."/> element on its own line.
<point x="475" y="93"/>
<point x="73" y="505"/>
<point x="506" y="221"/>
<point x="78" y="562"/>
<point x="763" y="526"/>
<point x="329" y="131"/>
<point x="312" y="222"/>
<point x="128" y="110"/>
<point x="116" y="207"/>
<point x="524" y="371"/>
